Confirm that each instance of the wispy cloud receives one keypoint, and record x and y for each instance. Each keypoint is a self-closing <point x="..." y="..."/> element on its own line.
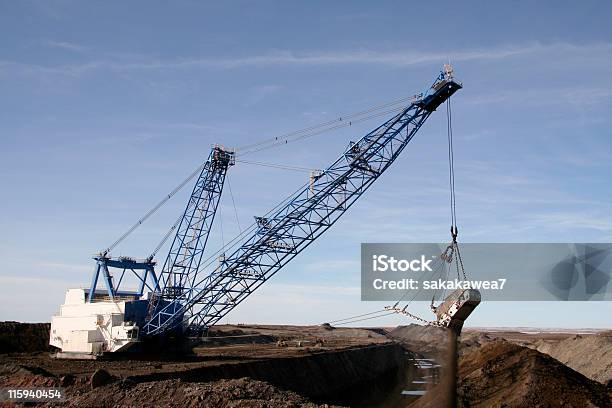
<point x="316" y="58"/>
<point x="567" y="219"/>
<point x="566" y="95"/>
<point x="65" y="45"/>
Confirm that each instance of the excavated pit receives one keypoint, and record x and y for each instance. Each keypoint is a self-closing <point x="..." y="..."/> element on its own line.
<point x="308" y="366"/>
<point x="344" y="366"/>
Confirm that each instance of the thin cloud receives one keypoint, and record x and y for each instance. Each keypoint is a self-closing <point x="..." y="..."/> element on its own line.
<point x="65" y="45"/>
<point x="399" y="59"/>
<point x="318" y="58"/>
<point x="579" y="96"/>
<point x="577" y="220"/>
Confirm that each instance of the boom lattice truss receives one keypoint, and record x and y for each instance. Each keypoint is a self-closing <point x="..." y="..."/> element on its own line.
<point x="202" y="301"/>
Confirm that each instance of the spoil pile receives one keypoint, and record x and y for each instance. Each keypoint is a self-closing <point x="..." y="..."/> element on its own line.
<point x="470" y="341"/>
<point x="424" y="340"/>
<point x="18" y="337"/>
<point x="589" y="355"/>
<point x="432" y="341"/>
<point x="501" y="373"/>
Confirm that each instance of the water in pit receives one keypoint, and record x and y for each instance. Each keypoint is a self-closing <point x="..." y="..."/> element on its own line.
<point x="400" y="388"/>
<point x="419" y="374"/>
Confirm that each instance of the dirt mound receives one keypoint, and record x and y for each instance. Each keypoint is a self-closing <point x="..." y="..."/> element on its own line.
<point x="590" y="355"/>
<point x="243" y="392"/>
<point x="426" y="340"/>
<point x="501" y="373"/>
<point x="18" y="337"/>
<point x="470" y="341"/>
<point x="432" y="340"/>
<point x="213" y="332"/>
<point x="416" y="332"/>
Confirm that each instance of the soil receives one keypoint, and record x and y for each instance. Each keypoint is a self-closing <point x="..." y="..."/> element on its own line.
<point x="309" y="366"/>
<point x="501" y="373"/>
<point x="505" y="368"/>
<point x="18" y="337"/>
<point x="587" y="351"/>
<point x="589" y="355"/>
<point x="243" y="392"/>
<point x="428" y="341"/>
<point x="288" y="365"/>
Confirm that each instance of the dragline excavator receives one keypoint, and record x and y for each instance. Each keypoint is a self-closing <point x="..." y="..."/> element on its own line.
<point x="190" y="295"/>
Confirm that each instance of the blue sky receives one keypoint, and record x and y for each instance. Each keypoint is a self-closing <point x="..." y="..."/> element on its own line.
<point x="106" y="106"/>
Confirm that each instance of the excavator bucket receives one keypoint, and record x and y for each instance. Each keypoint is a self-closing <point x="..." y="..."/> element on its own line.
<point x="456" y="308"/>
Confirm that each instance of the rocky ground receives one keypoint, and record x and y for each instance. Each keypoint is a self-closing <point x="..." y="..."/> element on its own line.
<point x="224" y="346"/>
<point x="224" y="369"/>
<point x="105" y="390"/>
<point x="497" y="368"/>
<point x="243" y="392"/>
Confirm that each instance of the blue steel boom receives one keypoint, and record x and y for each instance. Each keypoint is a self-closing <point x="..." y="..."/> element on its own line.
<point x="185" y="255"/>
<point x="288" y="231"/>
<point x="93" y="322"/>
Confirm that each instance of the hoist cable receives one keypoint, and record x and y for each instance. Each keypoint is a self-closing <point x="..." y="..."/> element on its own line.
<point x="451" y="163"/>
<point x="165" y="238"/>
<point x="454" y="254"/>
<point x="177" y="222"/>
<point x="221" y="225"/>
<point x="454" y="230"/>
<point x="299" y="134"/>
<point x="155" y="208"/>
<point x="355" y="317"/>
<point x="229" y="186"/>
<point x="327" y="123"/>
<point x="366" y="318"/>
<point x="234" y="241"/>
<point x="276" y="166"/>
<point x="278" y="142"/>
<point x="440" y="265"/>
